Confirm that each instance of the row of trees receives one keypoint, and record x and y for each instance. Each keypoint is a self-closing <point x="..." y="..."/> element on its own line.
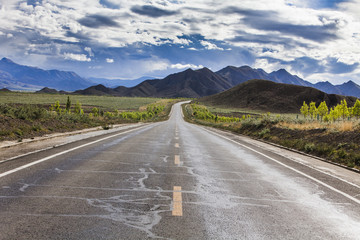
<point x="152" y="110"/>
<point x="202" y="113"/>
<point x="57" y="107"/>
<point x="323" y="113"/>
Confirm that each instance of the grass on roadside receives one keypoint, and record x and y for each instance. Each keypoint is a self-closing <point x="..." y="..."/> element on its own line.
<point x="18" y="121"/>
<point x="105" y="102"/>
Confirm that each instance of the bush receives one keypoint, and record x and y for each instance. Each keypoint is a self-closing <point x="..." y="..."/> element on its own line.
<point x="356" y="159"/>
<point x="323" y="149"/>
<point x="264" y="132"/>
<point x="25" y="112"/>
<point x="342" y="153"/>
<point x="309" y="147"/>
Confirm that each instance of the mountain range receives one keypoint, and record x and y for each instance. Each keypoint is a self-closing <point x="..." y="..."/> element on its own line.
<point x="189" y="83"/>
<point x="203" y="82"/>
<point x="19" y="77"/>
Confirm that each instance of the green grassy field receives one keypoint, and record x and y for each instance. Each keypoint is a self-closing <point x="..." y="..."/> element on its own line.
<point x="106" y="102"/>
<point x="223" y="110"/>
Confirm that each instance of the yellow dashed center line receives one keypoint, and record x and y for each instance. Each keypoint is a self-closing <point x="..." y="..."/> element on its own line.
<point x="177" y="160"/>
<point x="177" y="202"/>
<point x="177" y="145"/>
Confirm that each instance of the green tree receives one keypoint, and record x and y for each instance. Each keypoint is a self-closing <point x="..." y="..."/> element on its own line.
<point x="312" y="110"/>
<point x="343" y="109"/>
<point x="68" y="104"/>
<point x="77" y="108"/>
<point x="95" y="112"/>
<point x="326" y="118"/>
<point x="334" y="113"/>
<point x="304" y="109"/>
<point x="356" y="109"/>
<point x="322" y="109"/>
<point x="56" y="107"/>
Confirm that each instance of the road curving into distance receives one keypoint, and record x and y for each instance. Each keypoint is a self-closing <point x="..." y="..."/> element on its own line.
<point x="175" y="180"/>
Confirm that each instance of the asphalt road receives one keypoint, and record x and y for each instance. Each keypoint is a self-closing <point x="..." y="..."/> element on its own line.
<point x="173" y="180"/>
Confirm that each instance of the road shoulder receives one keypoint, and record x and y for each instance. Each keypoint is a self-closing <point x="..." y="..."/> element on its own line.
<point x="343" y="174"/>
<point x="12" y="149"/>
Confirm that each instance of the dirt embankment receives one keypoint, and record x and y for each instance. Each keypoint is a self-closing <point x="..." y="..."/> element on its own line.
<point x="342" y="147"/>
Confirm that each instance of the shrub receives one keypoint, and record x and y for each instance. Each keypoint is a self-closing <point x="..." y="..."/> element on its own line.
<point x="264" y="132"/>
<point x="342" y="153"/>
<point x="309" y="147"/>
<point x="95" y="112"/>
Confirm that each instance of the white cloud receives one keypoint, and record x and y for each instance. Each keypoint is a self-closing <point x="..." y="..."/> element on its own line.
<point x="156" y="65"/>
<point x="352" y="7"/>
<point x="340" y="78"/>
<point x="268" y="66"/>
<point x="210" y="46"/>
<point x="89" y="51"/>
<point x="109" y="60"/>
<point x="181" y="41"/>
<point x="77" y="57"/>
<point x="50" y="22"/>
<point x="183" y="66"/>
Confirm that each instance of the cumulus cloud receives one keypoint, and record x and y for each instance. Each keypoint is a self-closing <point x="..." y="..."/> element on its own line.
<point x="210" y="46"/>
<point x="183" y="66"/>
<point x="77" y="57"/>
<point x="181" y="41"/>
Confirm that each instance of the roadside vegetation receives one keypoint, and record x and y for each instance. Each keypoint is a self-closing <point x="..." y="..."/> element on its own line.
<point x="20" y="120"/>
<point x="333" y="134"/>
<point x="104" y="102"/>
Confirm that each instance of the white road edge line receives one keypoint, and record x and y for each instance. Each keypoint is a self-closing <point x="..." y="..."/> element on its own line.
<point x="63" y="152"/>
<point x="58" y="145"/>
<point x="291" y="168"/>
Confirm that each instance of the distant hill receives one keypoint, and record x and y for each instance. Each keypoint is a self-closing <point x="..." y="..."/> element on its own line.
<point x="237" y="75"/>
<point x="189" y="83"/>
<point x="349" y="88"/>
<point x="20" y="77"/>
<point x="51" y="91"/>
<point x="283" y="76"/>
<point x="4" y="90"/>
<point x="327" y="87"/>
<point x="97" y="90"/>
<point x="273" y="97"/>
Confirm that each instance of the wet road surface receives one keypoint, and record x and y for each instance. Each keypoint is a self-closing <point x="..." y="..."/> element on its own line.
<point x="173" y="180"/>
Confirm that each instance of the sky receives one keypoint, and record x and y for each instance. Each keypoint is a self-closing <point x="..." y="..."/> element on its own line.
<point x="317" y="40"/>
